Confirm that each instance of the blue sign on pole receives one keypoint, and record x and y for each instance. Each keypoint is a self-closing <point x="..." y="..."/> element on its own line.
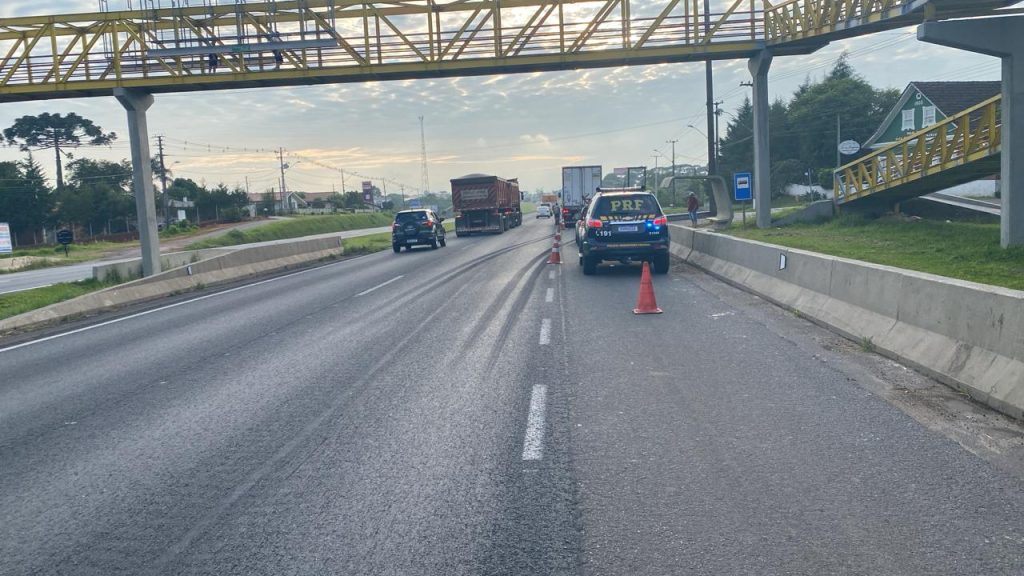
<point x="742" y="186"/>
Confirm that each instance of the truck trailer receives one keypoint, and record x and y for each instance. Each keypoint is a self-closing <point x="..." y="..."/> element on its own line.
<point x="485" y="203"/>
<point x="579" y="184"/>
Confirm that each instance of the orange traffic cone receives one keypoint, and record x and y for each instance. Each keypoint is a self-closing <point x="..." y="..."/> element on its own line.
<point x="556" y="257"/>
<point x="645" y="302"/>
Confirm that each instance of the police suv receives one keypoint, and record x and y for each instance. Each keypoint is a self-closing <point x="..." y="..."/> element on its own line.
<point x="625" y="225"/>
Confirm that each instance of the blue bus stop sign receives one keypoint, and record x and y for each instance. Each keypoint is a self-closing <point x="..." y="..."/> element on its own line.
<point x="742" y="186"/>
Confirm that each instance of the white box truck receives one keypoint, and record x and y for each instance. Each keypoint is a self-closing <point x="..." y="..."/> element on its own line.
<point x="579" y="184"/>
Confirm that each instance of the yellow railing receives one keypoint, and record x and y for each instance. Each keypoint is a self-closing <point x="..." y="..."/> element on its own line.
<point x="966" y="137"/>
<point x="329" y="40"/>
<point x="796" y="19"/>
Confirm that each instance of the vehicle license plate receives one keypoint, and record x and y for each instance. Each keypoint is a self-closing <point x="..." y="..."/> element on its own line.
<point x="410" y="241"/>
<point x="627" y="229"/>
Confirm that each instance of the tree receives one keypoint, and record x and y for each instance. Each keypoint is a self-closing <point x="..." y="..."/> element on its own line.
<point x="25" y="199"/>
<point x="98" y="193"/>
<point x="844" y="95"/>
<point x="47" y="131"/>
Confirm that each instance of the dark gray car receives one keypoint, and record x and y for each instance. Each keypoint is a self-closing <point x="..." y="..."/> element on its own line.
<point x="417" y="228"/>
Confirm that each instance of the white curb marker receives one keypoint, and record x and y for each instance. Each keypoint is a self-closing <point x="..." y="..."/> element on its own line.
<point x="533" y="442"/>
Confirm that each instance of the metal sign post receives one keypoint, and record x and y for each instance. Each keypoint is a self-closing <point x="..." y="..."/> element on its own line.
<point x="743" y="190"/>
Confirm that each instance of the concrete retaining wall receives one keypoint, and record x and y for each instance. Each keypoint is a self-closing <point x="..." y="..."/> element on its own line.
<point x="968" y="335"/>
<point x="231" y="265"/>
<point x="129" y="269"/>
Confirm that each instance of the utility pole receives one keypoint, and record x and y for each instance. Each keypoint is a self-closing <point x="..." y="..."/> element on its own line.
<point x="163" y="181"/>
<point x="718" y="115"/>
<point x="673" y="143"/>
<point x="280" y="159"/>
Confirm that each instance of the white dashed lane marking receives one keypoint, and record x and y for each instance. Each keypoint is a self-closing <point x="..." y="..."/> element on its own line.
<point x="533" y="442"/>
<point x="381" y="285"/>
<point x="545" y="332"/>
<point x="550" y="295"/>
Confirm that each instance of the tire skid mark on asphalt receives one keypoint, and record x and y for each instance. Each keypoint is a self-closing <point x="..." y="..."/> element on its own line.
<point x="501" y="300"/>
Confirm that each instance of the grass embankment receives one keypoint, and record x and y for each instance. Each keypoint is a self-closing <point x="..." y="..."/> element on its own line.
<point x="76" y="253"/>
<point x="297" y="228"/>
<point x="28" y="300"/>
<point x="963" y="250"/>
<point x="19" y="302"/>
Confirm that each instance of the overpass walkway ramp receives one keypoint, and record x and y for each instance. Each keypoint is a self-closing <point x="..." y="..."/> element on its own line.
<point x="962" y="148"/>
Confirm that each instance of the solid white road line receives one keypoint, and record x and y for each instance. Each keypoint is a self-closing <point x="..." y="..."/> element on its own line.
<point x="533" y="442"/>
<point x="545" y="332"/>
<point x="550" y="295"/>
<point x="176" y="304"/>
<point x="381" y="285"/>
<point x="23" y="289"/>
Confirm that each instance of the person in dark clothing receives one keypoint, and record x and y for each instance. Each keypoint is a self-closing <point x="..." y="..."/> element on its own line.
<point x="692" y="204"/>
<point x="214" y="61"/>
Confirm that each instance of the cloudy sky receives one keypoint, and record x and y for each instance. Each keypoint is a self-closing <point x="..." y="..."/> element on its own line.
<point x="523" y="125"/>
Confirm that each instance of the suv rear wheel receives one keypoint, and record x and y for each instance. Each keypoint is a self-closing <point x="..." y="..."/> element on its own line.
<point x="589" y="265"/>
<point x="396" y="248"/>
<point x="661" y="263"/>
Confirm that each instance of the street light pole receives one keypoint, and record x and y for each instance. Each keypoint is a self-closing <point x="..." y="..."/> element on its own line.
<point x="655" y="156"/>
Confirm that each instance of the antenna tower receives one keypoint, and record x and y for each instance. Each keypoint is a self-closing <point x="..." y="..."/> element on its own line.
<point x="424" y="180"/>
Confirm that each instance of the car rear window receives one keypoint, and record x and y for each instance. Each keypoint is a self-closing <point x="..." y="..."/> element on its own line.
<point x="625" y="206"/>
<point x="403" y="217"/>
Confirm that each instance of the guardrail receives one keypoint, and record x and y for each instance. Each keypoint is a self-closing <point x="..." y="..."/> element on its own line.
<point x="958" y="140"/>
<point x="797" y="19"/>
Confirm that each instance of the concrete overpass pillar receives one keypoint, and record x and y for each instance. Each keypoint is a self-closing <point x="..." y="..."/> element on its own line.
<point x="136" y="103"/>
<point x="1002" y="37"/>
<point x="759" y="66"/>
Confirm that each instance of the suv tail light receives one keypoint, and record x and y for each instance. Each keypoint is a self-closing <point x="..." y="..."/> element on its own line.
<point x="565" y="210"/>
<point x="395" y="226"/>
<point x="428" y="224"/>
<point x="594" y="223"/>
<point x="661" y="221"/>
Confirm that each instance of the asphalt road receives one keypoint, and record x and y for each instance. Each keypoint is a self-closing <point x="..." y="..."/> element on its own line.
<point x="472" y="410"/>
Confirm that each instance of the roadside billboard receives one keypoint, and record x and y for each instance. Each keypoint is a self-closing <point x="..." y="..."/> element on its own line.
<point x="6" y="246"/>
<point x="368" y="192"/>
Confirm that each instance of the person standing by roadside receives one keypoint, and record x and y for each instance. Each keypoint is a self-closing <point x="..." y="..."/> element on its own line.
<point x="692" y="204"/>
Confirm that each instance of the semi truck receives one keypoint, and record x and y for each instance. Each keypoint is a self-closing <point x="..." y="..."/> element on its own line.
<point x="579" y="183"/>
<point x="484" y="203"/>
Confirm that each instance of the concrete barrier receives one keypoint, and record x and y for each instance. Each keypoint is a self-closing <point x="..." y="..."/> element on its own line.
<point x="217" y="268"/>
<point x="967" y="335"/>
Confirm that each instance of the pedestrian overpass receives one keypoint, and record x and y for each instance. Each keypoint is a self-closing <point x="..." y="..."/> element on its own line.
<point x="134" y="54"/>
<point x="961" y="148"/>
<point x="296" y="42"/>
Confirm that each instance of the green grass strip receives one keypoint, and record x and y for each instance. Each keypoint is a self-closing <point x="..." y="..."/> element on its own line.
<point x="297" y="227"/>
<point x="27" y="300"/>
<point x="963" y="250"/>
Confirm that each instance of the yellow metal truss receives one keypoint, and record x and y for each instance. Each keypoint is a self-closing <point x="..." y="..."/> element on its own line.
<point x="287" y="42"/>
<point x="310" y="41"/>
<point x="967" y="137"/>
